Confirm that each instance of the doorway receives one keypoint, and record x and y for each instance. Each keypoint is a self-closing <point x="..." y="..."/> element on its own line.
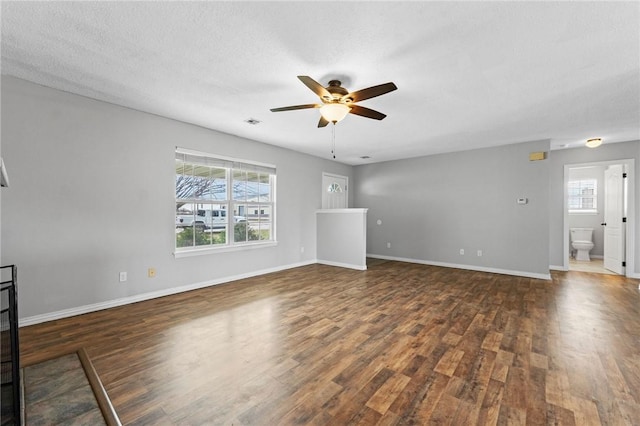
<point x="335" y="191"/>
<point x="599" y="199"/>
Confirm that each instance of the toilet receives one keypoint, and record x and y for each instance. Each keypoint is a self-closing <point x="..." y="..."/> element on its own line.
<point x="582" y="242"/>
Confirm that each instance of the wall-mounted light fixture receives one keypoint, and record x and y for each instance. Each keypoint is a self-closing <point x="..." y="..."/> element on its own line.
<point x="594" y="143"/>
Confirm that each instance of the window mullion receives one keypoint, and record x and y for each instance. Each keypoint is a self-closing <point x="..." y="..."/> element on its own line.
<point x="229" y="175"/>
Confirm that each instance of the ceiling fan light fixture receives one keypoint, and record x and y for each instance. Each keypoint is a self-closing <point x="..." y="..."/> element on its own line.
<point x="334" y="112"/>
<point x="337" y="101"/>
<point x="594" y="142"/>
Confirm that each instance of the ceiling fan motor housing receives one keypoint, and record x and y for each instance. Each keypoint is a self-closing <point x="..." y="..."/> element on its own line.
<point x="337" y="91"/>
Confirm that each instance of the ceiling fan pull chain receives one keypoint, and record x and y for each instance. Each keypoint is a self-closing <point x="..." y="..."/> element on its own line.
<point x="333" y="140"/>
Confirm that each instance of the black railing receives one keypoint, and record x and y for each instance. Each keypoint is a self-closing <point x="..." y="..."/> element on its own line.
<point x="9" y="353"/>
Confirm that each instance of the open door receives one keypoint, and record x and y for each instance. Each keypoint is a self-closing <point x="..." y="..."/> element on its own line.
<point x="614" y="255"/>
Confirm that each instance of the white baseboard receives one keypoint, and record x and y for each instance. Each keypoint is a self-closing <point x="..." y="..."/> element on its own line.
<point x="37" y="319"/>
<point x="343" y="265"/>
<point x="558" y="268"/>
<point x="466" y="267"/>
<point x="65" y="313"/>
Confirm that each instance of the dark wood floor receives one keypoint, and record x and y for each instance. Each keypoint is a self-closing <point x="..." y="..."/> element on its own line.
<point x="398" y="344"/>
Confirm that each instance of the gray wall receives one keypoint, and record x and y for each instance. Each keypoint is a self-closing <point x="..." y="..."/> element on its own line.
<point x="342" y="237"/>
<point x="431" y="207"/>
<point x="591" y="220"/>
<point x="558" y="159"/>
<point x="92" y="194"/>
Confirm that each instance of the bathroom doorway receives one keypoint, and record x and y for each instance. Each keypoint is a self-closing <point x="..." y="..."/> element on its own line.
<point x="598" y="207"/>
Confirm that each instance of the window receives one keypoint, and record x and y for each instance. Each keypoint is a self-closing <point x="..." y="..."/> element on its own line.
<point x="583" y="196"/>
<point x="222" y="202"/>
<point x="334" y="187"/>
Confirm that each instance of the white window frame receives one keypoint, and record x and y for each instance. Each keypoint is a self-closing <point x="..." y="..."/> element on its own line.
<point x="230" y="164"/>
<point x="582" y="185"/>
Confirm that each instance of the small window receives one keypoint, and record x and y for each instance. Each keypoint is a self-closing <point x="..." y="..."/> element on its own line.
<point x="583" y="196"/>
<point x="334" y="187"/>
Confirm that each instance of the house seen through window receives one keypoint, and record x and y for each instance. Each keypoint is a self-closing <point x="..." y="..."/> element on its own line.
<point x="222" y="202"/>
<point x="583" y="196"/>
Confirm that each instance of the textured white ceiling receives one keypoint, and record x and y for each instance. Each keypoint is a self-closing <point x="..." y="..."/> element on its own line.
<point x="469" y="74"/>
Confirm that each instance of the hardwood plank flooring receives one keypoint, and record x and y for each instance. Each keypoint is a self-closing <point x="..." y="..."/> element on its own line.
<point x="397" y="344"/>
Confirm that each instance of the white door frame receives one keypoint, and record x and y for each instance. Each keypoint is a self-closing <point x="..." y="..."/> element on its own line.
<point x="346" y="189"/>
<point x="630" y="240"/>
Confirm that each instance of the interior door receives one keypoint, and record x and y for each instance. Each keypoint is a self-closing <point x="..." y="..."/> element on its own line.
<point x="613" y="213"/>
<point x="334" y="191"/>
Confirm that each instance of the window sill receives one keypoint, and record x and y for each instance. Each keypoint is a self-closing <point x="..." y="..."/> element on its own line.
<point x="583" y="212"/>
<point x="222" y="249"/>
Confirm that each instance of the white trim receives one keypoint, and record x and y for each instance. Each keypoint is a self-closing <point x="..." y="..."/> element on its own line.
<point x="343" y="265"/>
<point x="223" y="248"/>
<point x="181" y="150"/>
<point x="558" y="268"/>
<point x="65" y="313"/>
<point x="466" y="267"/>
<point x="361" y="211"/>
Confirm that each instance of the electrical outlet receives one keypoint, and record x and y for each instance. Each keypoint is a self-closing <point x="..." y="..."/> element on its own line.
<point x="462" y="252"/>
<point x="479" y="253"/>
<point x="152" y="272"/>
<point x="388" y="245"/>
<point x="123" y="277"/>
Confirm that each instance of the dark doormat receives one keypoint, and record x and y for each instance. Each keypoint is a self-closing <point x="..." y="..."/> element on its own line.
<point x="59" y="391"/>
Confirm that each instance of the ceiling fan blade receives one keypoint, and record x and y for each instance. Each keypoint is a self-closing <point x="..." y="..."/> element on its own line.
<point x="366" y="112"/>
<point x="315" y="87"/>
<point x="323" y="122"/>
<point x="370" y="92"/>
<point x="291" y="108"/>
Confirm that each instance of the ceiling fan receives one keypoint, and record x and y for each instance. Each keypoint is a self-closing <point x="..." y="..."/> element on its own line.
<point x="337" y="102"/>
